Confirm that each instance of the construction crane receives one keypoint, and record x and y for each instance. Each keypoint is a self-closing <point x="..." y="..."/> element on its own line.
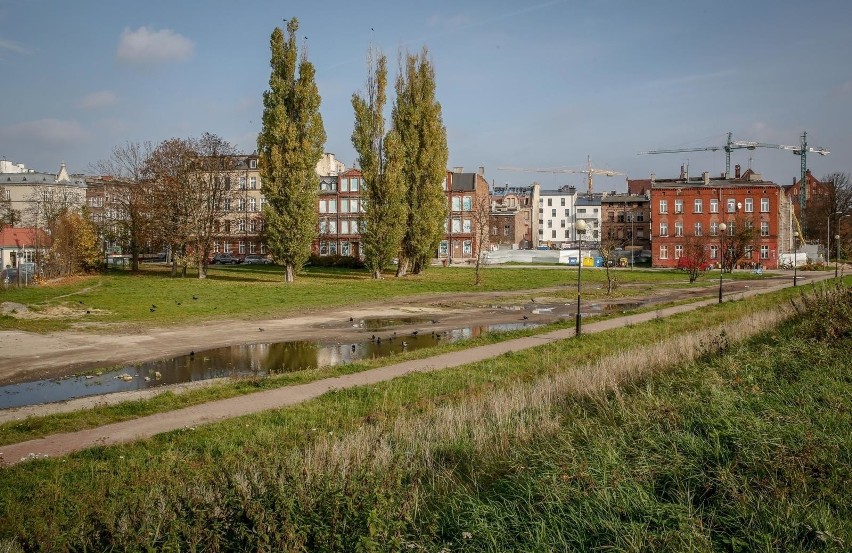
<point x="729" y="145"/>
<point x="800" y="150"/>
<point x="589" y="171"/>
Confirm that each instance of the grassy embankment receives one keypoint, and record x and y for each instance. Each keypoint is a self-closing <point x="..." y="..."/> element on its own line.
<point x="697" y="441"/>
<point x="121" y="300"/>
<point x="639" y="283"/>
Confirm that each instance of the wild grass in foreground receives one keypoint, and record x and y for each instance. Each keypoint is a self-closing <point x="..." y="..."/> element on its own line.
<point x="701" y="443"/>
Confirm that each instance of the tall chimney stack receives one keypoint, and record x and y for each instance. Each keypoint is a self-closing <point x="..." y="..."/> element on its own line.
<point x="737" y="171"/>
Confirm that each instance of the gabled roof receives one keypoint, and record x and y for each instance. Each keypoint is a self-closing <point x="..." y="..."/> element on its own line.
<point x="23" y="237"/>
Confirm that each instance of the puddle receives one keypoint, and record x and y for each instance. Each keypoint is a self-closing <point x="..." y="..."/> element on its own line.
<point x="234" y="361"/>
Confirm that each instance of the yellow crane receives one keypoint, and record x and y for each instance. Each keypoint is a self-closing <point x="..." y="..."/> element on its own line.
<point x="589" y="171"/>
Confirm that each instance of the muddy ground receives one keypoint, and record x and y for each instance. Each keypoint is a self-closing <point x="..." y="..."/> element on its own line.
<point x="29" y="356"/>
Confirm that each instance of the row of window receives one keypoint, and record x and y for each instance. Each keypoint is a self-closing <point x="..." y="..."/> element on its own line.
<point x="331" y="247"/>
<point x="347" y="226"/>
<point x="462" y="203"/>
<point x="731" y="205"/>
<point x="714" y="252"/>
<point x="347" y="205"/>
<point x="594" y="234"/>
<point x="241" y="247"/>
<point x="252" y="183"/>
<point x="698" y="229"/>
<point x="467" y="247"/>
<point x="240" y="225"/>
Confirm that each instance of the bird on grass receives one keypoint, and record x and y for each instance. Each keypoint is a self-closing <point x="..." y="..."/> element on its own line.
<point x="524" y="318"/>
<point x="153" y="309"/>
<point x="404" y="344"/>
<point x="351" y="319"/>
<point x="260" y="329"/>
<point x="195" y="297"/>
<point x="353" y="347"/>
<point x="415" y="333"/>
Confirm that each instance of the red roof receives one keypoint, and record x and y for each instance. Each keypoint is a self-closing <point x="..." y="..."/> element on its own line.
<point x="23" y="237"/>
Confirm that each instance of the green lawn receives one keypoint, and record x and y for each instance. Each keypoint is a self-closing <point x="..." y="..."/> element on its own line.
<point x="250" y="292"/>
<point x="722" y="446"/>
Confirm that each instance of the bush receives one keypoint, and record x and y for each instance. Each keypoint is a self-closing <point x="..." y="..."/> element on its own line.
<point x="342" y="261"/>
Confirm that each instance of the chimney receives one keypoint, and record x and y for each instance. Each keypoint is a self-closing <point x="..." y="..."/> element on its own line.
<point x="737" y="171"/>
<point x="682" y="172"/>
<point x="458" y="169"/>
<point x="705" y="176"/>
<point x="653" y="178"/>
<point x="481" y="170"/>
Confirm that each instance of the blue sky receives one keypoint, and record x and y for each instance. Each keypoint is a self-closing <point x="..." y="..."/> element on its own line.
<point x="525" y="84"/>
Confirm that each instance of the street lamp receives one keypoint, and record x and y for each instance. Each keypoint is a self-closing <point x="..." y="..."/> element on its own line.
<point x="837" y="257"/>
<point x="828" y="234"/>
<point x="795" y="255"/>
<point x="581" y="230"/>
<point x="722" y="228"/>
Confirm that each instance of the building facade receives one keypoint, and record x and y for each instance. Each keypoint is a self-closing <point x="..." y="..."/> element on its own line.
<point x="35" y="195"/>
<point x="688" y="212"/>
<point x="626" y="221"/>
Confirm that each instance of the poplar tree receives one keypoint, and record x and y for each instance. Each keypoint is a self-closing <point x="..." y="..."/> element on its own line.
<point x="289" y="146"/>
<point x="380" y="157"/>
<point x="418" y="122"/>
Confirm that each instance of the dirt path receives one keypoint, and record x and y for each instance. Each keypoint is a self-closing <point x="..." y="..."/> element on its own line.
<point x="140" y="428"/>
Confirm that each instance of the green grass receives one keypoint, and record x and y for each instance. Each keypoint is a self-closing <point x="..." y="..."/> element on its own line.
<point x="594" y="345"/>
<point x="122" y="300"/>
<point x="746" y="448"/>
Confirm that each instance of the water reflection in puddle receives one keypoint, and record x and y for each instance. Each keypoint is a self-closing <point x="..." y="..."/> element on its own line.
<point x="232" y="361"/>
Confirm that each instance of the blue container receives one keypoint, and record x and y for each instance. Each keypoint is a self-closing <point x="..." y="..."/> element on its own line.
<point x="599" y="262"/>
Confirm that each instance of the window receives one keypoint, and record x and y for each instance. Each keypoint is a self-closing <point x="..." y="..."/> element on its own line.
<point x="567" y="214"/>
<point x="241" y="226"/>
<point x="354" y="183"/>
<point x="467" y="203"/>
<point x="345" y="249"/>
<point x="241" y="204"/>
<point x="344" y="185"/>
<point x="749" y="252"/>
<point x="242" y="183"/>
<point x="353" y="205"/>
<point x="354" y="226"/>
<point x="562" y="202"/>
<point x="457" y="225"/>
<point x="731" y="205"/>
<point x="466" y="225"/>
<point x="455" y="202"/>
<point x="553" y="213"/>
<point x="332" y="226"/>
<point x="764" y="228"/>
<point x="226" y="204"/>
<point x="562" y="223"/>
<point x="252" y="248"/>
<point x="332" y="248"/>
<point x="714" y="228"/>
<point x="679" y="228"/>
<point x="332" y="206"/>
<point x="664" y="229"/>
<point x="226" y="247"/>
<point x="664" y="252"/>
<point x="714" y="205"/>
<point x="553" y="234"/>
<point x="730" y="229"/>
<point x="567" y="233"/>
<point x="443" y="249"/>
<point x="323" y="206"/>
<point x="764" y="205"/>
<point x="714" y="252"/>
<point x="344" y="205"/>
<point x="678" y="206"/>
<point x="698" y="206"/>
<point x="678" y="251"/>
<point x="664" y="206"/>
<point x="252" y="204"/>
<point x="699" y="229"/>
<point x="467" y="247"/>
<point x="253" y="183"/>
<point x="253" y="163"/>
<point x="764" y="252"/>
<point x="344" y="226"/>
<point x="323" y="247"/>
<point x="749" y="205"/>
<point x="581" y="210"/>
<point x="242" y="247"/>
<point x="549" y="223"/>
<point x="507" y="230"/>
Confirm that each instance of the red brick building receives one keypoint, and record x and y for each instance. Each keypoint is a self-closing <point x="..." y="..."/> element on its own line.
<point x="689" y="211"/>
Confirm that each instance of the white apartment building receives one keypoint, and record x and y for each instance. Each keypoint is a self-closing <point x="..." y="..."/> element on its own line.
<point x="557" y="216"/>
<point x="31" y="192"/>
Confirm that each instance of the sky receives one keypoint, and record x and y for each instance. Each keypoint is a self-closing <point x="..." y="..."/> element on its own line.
<point x="533" y="85"/>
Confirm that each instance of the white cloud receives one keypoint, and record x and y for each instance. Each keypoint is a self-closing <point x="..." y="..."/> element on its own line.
<point x="11" y="46"/>
<point x="99" y="99"/>
<point x="147" y="46"/>
<point x="46" y="132"/>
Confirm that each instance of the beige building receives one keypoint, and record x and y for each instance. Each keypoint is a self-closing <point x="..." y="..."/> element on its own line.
<point x="33" y="194"/>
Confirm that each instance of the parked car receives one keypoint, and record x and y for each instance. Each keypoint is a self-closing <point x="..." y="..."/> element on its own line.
<point x="225" y="259"/>
<point x="257" y="259"/>
<point x="9" y="276"/>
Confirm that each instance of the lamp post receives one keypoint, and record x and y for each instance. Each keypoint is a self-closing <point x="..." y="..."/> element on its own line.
<point x="837" y="257"/>
<point x="795" y="255"/>
<point x="722" y="228"/>
<point x="581" y="230"/>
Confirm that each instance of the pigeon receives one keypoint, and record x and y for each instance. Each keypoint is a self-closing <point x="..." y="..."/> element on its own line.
<point x="525" y="317"/>
<point x="351" y="319"/>
<point x="195" y="297"/>
<point x="260" y="329"/>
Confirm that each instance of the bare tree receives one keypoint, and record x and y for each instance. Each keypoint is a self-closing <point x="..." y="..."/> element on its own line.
<point x="825" y="211"/>
<point x="695" y="258"/>
<point x="481" y="222"/>
<point x="739" y="238"/>
<point x="607" y="249"/>
<point x="128" y="203"/>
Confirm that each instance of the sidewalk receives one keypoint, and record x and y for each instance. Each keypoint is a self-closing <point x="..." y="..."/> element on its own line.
<point x="146" y="427"/>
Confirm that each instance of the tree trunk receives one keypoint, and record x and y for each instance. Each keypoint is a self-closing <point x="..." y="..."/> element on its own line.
<point x="202" y="269"/>
<point x="289" y="272"/>
<point x="401" y="268"/>
<point x="377" y="274"/>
